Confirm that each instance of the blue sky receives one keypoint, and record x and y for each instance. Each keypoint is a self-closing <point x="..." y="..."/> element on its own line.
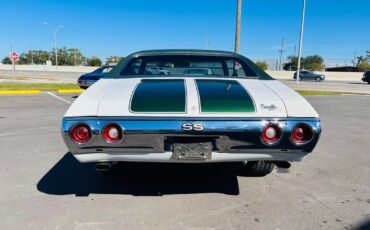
<point x="334" y="29"/>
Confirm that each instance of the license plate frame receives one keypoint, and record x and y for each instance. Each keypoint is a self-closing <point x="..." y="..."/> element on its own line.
<point x="192" y="151"/>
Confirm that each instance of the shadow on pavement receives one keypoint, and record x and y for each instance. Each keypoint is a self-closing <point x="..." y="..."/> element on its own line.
<point x="363" y="226"/>
<point x="69" y="176"/>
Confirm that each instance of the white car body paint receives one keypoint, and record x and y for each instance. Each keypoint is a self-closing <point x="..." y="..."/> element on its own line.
<point x="111" y="97"/>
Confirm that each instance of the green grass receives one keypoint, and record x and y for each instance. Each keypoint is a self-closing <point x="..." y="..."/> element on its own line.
<point x="37" y="86"/>
<point x="319" y="93"/>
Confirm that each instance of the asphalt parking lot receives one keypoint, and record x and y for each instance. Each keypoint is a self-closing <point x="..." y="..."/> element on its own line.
<point x="43" y="187"/>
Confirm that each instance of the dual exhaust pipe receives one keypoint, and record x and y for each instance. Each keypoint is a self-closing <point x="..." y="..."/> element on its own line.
<point x="103" y="166"/>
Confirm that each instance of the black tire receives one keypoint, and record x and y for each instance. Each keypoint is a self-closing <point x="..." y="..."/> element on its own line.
<point x="318" y="79"/>
<point x="257" y="168"/>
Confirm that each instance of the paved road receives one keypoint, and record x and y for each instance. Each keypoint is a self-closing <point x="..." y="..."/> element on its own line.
<point x="40" y="76"/>
<point x="338" y="86"/>
<point x="70" y="77"/>
<point x="43" y="187"/>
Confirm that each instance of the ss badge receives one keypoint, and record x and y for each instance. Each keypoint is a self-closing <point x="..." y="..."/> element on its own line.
<point x="192" y="127"/>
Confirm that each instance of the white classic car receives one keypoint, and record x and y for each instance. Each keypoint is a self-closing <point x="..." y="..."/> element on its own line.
<point x="238" y="114"/>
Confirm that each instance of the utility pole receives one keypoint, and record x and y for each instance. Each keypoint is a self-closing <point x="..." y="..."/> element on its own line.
<point x="281" y="51"/>
<point x="354" y="58"/>
<point x="237" y="31"/>
<point x="31" y="51"/>
<point x="55" y="41"/>
<point x="55" y="44"/>
<point x="295" y="50"/>
<point x="300" y="40"/>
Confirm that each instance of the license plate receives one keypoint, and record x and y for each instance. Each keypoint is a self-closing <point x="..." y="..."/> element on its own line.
<point x="192" y="151"/>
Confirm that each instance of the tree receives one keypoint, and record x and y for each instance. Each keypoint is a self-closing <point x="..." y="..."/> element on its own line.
<point x="363" y="66"/>
<point x="292" y="64"/>
<point x="314" y="62"/>
<point x="363" y="62"/>
<point x="94" y="61"/>
<point x="262" y="65"/>
<point x="75" y="57"/>
<point x="23" y="60"/>
<point x="6" y="60"/>
<point x="113" y="59"/>
<point x="68" y="57"/>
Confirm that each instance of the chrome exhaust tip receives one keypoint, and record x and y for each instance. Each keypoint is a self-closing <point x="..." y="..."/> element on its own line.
<point x="282" y="164"/>
<point x="103" y="166"/>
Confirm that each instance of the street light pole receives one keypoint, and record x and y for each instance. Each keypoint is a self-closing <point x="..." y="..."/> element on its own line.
<point x="237" y="31"/>
<point x="55" y="44"/>
<point x="300" y="41"/>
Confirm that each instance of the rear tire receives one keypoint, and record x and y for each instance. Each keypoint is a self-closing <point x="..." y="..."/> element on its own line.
<point x="257" y="168"/>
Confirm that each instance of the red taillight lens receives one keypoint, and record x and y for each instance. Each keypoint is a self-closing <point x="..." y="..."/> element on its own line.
<point x="80" y="133"/>
<point x="271" y="134"/>
<point x="112" y="133"/>
<point x="302" y="134"/>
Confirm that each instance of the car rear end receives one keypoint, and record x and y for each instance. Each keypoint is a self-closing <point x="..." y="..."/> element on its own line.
<point x="190" y="120"/>
<point x="187" y="140"/>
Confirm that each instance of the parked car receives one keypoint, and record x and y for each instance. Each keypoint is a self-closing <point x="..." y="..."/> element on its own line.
<point x="366" y="77"/>
<point x="157" y="71"/>
<point x="198" y="71"/>
<point x="88" y="79"/>
<point x="243" y="115"/>
<point x="309" y="75"/>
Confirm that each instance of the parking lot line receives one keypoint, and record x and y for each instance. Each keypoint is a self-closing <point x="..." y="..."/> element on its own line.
<point x="57" y="97"/>
<point x="19" y="92"/>
<point x="70" y="90"/>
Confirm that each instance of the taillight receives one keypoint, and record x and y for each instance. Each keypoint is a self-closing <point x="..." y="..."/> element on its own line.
<point x="271" y="134"/>
<point x="112" y="133"/>
<point x="80" y="133"/>
<point x="302" y="134"/>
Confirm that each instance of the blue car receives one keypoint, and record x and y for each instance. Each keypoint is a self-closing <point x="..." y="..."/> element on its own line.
<point x="88" y="79"/>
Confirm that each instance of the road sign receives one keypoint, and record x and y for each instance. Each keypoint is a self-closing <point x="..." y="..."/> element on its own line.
<point x="14" y="56"/>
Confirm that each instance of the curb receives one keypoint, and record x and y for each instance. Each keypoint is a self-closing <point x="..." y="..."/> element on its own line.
<point x="19" y="92"/>
<point x="70" y="90"/>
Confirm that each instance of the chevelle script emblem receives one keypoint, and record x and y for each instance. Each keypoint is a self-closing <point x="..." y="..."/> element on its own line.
<point x="192" y="127"/>
<point x="269" y="107"/>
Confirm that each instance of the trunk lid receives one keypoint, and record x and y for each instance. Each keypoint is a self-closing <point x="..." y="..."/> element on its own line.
<point x="189" y="97"/>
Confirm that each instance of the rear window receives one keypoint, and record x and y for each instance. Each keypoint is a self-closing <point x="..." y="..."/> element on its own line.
<point x="178" y="65"/>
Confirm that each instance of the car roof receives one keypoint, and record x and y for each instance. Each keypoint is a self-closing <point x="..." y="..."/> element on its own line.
<point x="184" y="52"/>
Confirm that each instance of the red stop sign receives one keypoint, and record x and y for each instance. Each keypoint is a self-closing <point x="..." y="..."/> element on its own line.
<point x="13" y="56"/>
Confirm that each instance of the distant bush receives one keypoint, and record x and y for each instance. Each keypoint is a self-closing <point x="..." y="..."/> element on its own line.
<point x="364" y="66"/>
<point x="6" y="60"/>
<point x="94" y="61"/>
<point x="262" y="65"/>
<point x="313" y="63"/>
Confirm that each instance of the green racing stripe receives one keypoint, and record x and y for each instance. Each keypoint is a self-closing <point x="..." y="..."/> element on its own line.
<point x="159" y="96"/>
<point x="224" y="96"/>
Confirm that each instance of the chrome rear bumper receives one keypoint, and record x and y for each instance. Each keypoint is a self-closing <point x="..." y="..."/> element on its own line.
<point x="152" y="139"/>
<point x="167" y="157"/>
